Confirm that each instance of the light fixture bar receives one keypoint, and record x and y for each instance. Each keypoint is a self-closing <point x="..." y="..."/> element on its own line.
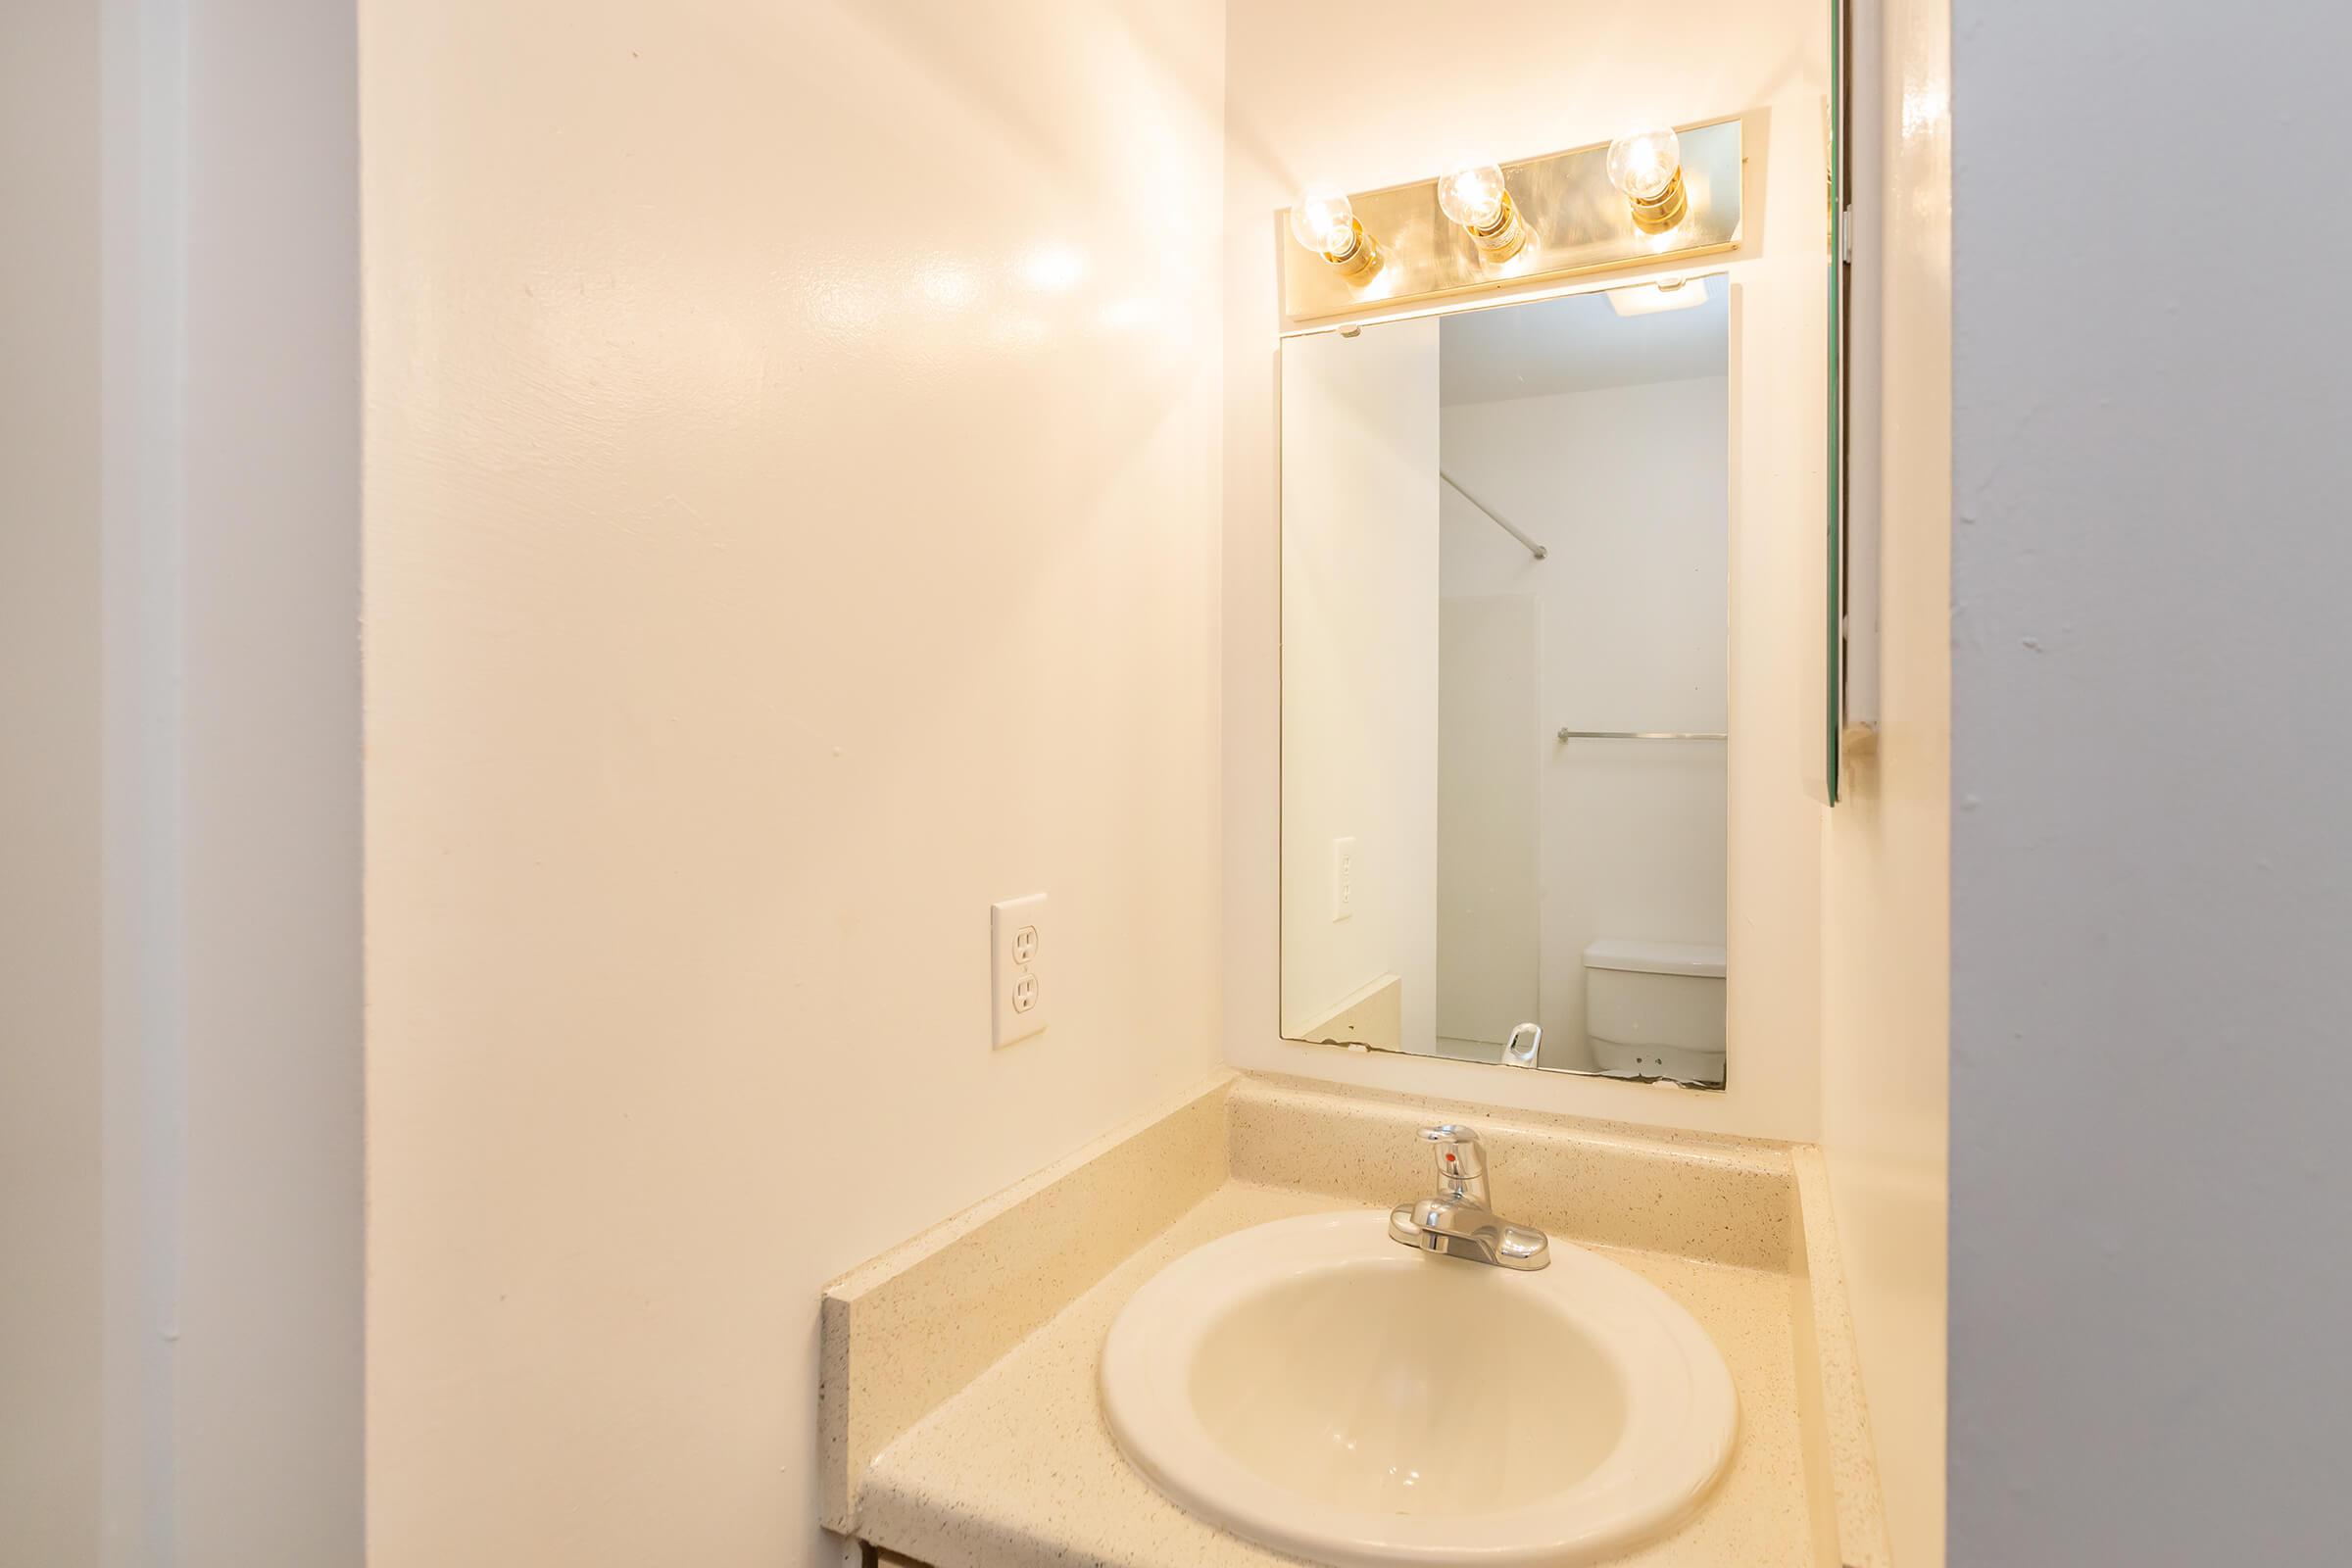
<point x="1577" y="222"/>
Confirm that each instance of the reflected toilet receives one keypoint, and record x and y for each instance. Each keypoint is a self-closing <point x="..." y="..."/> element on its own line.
<point x="1656" y="1010"/>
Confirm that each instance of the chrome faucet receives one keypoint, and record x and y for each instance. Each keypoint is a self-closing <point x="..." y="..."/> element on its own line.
<point x="1460" y="1221"/>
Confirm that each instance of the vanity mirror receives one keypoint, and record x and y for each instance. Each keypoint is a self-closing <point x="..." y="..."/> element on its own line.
<point x="1504" y="568"/>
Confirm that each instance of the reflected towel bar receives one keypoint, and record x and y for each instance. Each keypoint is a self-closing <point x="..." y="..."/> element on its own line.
<point x="1642" y="735"/>
<point x="1533" y="548"/>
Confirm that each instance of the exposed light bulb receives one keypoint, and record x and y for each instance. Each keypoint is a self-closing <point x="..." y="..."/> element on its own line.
<point x="1474" y="197"/>
<point x="1477" y="197"/>
<point x="1324" y="222"/>
<point x="1646" y="164"/>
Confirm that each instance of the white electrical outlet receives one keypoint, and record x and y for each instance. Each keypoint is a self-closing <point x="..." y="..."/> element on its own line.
<point x="1343" y="878"/>
<point x="1017" y="944"/>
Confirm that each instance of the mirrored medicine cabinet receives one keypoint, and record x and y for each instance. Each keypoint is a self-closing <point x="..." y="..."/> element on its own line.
<point x="1505" y="720"/>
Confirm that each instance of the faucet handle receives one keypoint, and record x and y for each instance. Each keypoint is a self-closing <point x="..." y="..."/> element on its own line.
<point x="1460" y="1155"/>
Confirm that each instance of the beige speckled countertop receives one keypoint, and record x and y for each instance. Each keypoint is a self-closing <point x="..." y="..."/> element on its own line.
<point x="1021" y="1468"/>
<point x="963" y="1425"/>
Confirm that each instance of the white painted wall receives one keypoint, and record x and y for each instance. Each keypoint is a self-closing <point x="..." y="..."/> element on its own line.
<point x="1318" y="89"/>
<point x="2149" y="1063"/>
<point x="1627" y="487"/>
<point x="1489" y="815"/>
<point x="1887" y="876"/>
<point x="792" y="523"/>
<point x="179" y="794"/>
<point x="1360" y="650"/>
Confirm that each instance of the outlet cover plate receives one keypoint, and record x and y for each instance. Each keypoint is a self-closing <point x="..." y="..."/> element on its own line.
<point x="1020" y="1002"/>
<point x="1343" y="878"/>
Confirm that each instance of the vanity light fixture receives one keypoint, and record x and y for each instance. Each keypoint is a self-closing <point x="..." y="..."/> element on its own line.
<point x="1666" y="294"/>
<point x="1646" y="167"/>
<point x="1539" y="220"/>
<point x="1324" y="222"/>
<point x="1478" y="198"/>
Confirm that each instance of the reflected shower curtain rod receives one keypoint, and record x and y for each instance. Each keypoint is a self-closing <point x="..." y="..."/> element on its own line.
<point x="1533" y="548"/>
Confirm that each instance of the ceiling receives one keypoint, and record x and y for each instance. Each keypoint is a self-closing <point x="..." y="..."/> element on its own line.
<point x="1579" y="343"/>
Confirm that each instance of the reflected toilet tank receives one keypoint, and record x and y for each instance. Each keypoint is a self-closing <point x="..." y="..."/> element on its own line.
<point x="1656" y="1010"/>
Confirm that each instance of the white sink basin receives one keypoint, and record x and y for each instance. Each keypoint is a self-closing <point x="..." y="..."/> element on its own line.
<point x="1319" y="1389"/>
